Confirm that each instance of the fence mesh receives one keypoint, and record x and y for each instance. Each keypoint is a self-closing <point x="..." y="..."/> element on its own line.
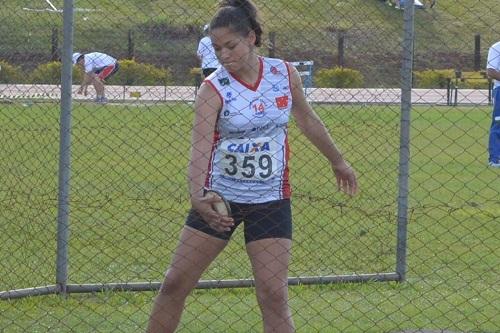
<point x="129" y="196"/>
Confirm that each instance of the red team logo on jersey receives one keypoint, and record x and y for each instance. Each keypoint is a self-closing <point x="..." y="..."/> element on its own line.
<point x="282" y="102"/>
<point x="258" y="107"/>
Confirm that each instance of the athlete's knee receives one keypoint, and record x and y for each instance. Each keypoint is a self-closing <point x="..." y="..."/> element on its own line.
<point x="171" y="283"/>
<point x="175" y="285"/>
<point x="275" y="296"/>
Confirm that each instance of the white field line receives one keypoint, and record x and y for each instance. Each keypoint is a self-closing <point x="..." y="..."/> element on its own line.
<point x="187" y="94"/>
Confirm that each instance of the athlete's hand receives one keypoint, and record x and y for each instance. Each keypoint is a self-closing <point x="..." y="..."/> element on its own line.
<point x="346" y="178"/>
<point x="218" y="222"/>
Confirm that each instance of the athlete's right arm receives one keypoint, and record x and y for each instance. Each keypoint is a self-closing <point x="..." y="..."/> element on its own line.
<point x="207" y="106"/>
<point x="87" y="78"/>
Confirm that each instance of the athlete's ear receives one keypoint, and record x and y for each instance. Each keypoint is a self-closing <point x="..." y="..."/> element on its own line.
<point x="251" y="38"/>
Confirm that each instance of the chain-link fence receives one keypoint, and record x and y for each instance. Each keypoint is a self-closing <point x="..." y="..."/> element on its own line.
<point x="94" y="193"/>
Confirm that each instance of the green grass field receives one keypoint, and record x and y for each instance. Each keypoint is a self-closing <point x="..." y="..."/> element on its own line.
<point x="129" y="200"/>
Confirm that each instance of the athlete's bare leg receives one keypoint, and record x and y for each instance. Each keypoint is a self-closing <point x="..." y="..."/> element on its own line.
<point x="98" y="85"/>
<point x="270" y="258"/>
<point x="194" y="253"/>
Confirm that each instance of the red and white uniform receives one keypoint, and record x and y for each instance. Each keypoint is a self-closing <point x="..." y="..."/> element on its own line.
<point x="99" y="63"/>
<point x="249" y="159"/>
<point x="207" y="54"/>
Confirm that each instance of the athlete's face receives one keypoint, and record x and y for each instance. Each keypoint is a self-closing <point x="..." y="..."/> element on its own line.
<point x="81" y="63"/>
<point x="232" y="49"/>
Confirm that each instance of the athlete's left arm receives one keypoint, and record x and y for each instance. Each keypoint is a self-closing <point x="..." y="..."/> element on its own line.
<point x="315" y="130"/>
<point x="493" y="74"/>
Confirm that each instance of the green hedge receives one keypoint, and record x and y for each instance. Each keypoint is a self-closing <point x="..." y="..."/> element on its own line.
<point x="129" y="73"/>
<point x="50" y="73"/>
<point x="431" y="78"/>
<point x="339" y="77"/>
<point x="10" y="73"/>
<point x="133" y="73"/>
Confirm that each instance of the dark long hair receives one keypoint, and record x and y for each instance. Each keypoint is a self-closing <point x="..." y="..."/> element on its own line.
<point x="239" y="15"/>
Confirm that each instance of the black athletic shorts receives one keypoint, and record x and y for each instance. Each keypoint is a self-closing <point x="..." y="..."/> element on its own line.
<point x="266" y="220"/>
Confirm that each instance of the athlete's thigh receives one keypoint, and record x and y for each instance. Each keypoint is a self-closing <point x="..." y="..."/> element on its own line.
<point x="194" y="253"/>
<point x="270" y="258"/>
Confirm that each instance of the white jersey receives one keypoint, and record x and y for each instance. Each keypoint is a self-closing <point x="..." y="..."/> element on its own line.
<point x="249" y="159"/>
<point x="207" y="54"/>
<point x="494" y="60"/>
<point x="96" y="60"/>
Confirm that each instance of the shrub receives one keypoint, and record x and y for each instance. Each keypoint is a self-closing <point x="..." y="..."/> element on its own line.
<point x="10" y="73"/>
<point x="439" y="79"/>
<point x="130" y="73"/>
<point x="431" y="78"/>
<point x="50" y="73"/>
<point x="195" y="71"/>
<point x="339" y="77"/>
<point x="474" y="80"/>
<point x="133" y="73"/>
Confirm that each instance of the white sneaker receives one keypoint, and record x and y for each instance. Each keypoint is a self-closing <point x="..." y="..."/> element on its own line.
<point x="494" y="165"/>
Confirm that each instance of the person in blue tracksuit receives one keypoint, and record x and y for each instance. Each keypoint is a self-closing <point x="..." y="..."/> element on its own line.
<point x="493" y="70"/>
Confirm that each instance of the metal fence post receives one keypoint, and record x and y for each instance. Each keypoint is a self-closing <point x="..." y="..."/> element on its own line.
<point x="271" y="48"/>
<point x="341" y="48"/>
<point x="477" y="52"/>
<point x="131" y="45"/>
<point x="65" y="150"/>
<point x="448" y="91"/>
<point x="54" y="43"/>
<point x="404" y="152"/>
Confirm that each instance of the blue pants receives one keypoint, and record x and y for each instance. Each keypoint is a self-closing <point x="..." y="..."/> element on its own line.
<point x="494" y="144"/>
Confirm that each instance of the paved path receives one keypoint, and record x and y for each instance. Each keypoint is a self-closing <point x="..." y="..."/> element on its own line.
<point x="187" y="93"/>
